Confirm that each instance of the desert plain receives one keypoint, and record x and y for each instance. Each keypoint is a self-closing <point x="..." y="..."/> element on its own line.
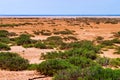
<point x="42" y="28"/>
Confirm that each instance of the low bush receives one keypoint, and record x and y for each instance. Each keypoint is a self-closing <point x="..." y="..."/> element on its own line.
<point x="28" y="45"/>
<point x="12" y="25"/>
<point x="111" y="22"/>
<point x="65" y="32"/>
<point x="99" y="38"/>
<point x="117" y="50"/>
<point x="117" y="34"/>
<point x="51" y="67"/>
<point x="4" y="46"/>
<point x="115" y="62"/>
<point x="40" y="45"/>
<point x="70" y="53"/>
<point x="4" y="33"/>
<point x="32" y="67"/>
<point x="12" y="62"/>
<point x="55" y="41"/>
<point x="37" y="32"/>
<point x="107" y="43"/>
<point x="12" y="34"/>
<point x="81" y="44"/>
<point x="70" y="38"/>
<point x="45" y="32"/>
<point x="68" y="74"/>
<point x="103" y="61"/>
<point x="81" y="61"/>
<point x="116" y="40"/>
<point x="4" y="40"/>
<point x="91" y="73"/>
<point x="24" y="39"/>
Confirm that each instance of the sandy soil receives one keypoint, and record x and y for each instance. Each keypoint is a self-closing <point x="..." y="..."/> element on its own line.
<point x="82" y="31"/>
<point x="21" y="75"/>
<point x="110" y="54"/>
<point x="32" y="54"/>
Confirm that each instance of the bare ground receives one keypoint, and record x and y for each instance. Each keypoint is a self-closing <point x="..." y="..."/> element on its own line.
<point x="21" y="75"/>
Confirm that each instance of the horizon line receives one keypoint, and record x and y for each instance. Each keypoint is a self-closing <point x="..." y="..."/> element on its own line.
<point x="59" y="14"/>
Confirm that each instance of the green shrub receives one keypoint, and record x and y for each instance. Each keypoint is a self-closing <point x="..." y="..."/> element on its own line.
<point x="71" y="53"/>
<point x="68" y="74"/>
<point x="115" y="62"/>
<point x="37" y="32"/>
<point x="107" y="43"/>
<point x="40" y="45"/>
<point x="117" y="50"/>
<point x="4" y="33"/>
<point x="55" y="41"/>
<point x="12" y="61"/>
<point x="32" y="67"/>
<point x="12" y="34"/>
<point x="52" y="55"/>
<point x="70" y="38"/>
<point x="4" y="39"/>
<point x="4" y="46"/>
<point x="80" y="61"/>
<point x="81" y="44"/>
<point x="45" y="32"/>
<point x="51" y="67"/>
<point x="116" y="40"/>
<point x="24" y="39"/>
<point x="91" y="73"/>
<point x="103" y="61"/>
<point x="28" y="45"/>
<point x="98" y="73"/>
<point x="64" y="32"/>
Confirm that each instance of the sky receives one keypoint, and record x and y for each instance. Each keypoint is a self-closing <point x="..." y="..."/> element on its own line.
<point x="53" y="7"/>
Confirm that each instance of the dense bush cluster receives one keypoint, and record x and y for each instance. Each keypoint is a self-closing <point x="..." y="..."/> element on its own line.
<point x="54" y="41"/>
<point x="51" y="67"/>
<point x="82" y="62"/>
<point x="83" y="48"/>
<point x="71" y="53"/>
<point x="115" y="62"/>
<point x="82" y="55"/>
<point x="81" y="44"/>
<point x="4" y="36"/>
<point x="90" y="73"/>
<point x="12" y="61"/>
<point x="24" y="39"/>
<point x="4" y="46"/>
<point x="40" y="45"/>
<point x="4" y="33"/>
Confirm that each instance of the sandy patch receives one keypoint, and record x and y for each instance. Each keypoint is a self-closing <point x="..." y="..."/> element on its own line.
<point x="110" y="54"/>
<point x="21" y="75"/>
<point x="32" y="54"/>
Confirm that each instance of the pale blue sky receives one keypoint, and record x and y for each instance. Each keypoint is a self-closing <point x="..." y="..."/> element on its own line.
<point x="59" y="7"/>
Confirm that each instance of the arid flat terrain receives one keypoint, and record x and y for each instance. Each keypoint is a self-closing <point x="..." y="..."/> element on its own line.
<point x="81" y="28"/>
